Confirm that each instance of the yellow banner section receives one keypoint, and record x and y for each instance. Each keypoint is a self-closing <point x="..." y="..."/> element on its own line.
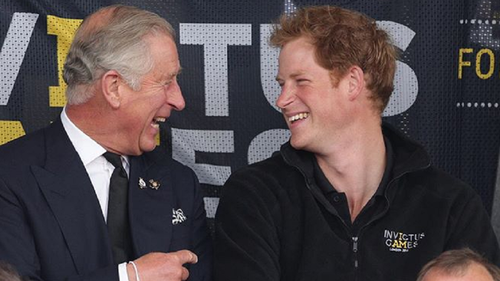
<point x="10" y="130"/>
<point x="65" y="30"/>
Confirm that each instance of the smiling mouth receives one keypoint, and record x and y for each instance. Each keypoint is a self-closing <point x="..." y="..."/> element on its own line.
<point x="157" y="120"/>
<point x="296" y="117"/>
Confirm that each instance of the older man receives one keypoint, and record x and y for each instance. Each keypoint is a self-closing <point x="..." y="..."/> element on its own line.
<point x="347" y="198"/>
<point x="89" y="197"/>
<point x="459" y="265"/>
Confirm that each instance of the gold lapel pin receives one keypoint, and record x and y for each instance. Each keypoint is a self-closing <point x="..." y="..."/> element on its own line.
<point x="154" y="184"/>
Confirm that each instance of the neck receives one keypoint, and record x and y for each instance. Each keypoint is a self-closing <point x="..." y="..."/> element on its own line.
<point x="355" y="165"/>
<point x="93" y="120"/>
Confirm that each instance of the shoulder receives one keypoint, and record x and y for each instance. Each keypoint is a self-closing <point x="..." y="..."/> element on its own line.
<point x="162" y="159"/>
<point x="25" y="147"/>
<point x="434" y="187"/>
<point x="275" y="165"/>
<point x="270" y="180"/>
<point x="271" y="169"/>
<point x="440" y="183"/>
<point x="23" y="141"/>
<point x="32" y="148"/>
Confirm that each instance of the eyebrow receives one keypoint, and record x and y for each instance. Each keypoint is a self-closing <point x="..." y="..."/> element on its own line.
<point x="174" y="74"/>
<point x="179" y="71"/>
<point x="294" y="75"/>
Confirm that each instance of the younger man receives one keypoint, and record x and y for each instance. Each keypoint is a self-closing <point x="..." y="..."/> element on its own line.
<point x="348" y="197"/>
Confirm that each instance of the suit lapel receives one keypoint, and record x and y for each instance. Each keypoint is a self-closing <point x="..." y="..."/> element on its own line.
<point x="70" y="194"/>
<point x="150" y="209"/>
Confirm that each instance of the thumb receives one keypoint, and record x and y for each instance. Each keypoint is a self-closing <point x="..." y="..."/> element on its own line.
<point x="186" y="256"/>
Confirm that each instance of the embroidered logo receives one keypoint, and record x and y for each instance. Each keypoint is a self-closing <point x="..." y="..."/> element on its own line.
<point x="178" y="216"/>
<point x="398" y="241"/>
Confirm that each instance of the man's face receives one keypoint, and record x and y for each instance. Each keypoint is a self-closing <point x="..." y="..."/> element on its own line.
<point x="475" y="272"/>
<point x="141" y="111"/>
<point x="314" y="110"/>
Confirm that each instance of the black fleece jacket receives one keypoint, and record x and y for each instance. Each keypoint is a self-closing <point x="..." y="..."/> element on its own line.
<point x="274" y="223"/>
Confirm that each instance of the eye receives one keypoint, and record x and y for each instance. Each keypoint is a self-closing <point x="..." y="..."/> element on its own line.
<point x="169" y="82"/>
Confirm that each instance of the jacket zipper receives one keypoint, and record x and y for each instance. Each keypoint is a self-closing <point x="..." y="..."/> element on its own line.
<point x="355" y="256"/>
<point x="355" y="251"/>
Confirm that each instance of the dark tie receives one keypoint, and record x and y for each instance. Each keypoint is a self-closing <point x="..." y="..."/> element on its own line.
<point x="118" y="225"/>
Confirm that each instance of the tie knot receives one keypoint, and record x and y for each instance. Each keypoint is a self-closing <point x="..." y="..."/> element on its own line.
<point x="114" y="159"/>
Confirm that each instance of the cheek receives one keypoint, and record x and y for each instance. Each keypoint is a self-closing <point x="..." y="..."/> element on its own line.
<point x="148" y="107"/>
<point x="156" y="101"/>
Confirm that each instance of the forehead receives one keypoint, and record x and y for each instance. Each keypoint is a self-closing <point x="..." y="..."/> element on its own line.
<point x="474" y="272"/>
<point x="298" y="56"/>
<point x="299" y="48"/>
<point x="164" y="54"/>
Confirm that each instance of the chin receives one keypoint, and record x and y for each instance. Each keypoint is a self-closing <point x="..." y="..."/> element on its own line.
<point x="148" y="148"/>
<point x="148" y="143"/>
<point x="297" y="144"/>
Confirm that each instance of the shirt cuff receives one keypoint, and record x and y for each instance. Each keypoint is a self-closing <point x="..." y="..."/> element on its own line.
<point x="122" y="272"/>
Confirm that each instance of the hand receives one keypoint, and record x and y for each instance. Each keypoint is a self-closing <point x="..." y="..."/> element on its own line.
<point x="162" y="266"/>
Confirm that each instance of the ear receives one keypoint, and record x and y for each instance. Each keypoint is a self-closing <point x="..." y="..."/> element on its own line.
<point x="110" y="83"/>
<point x="356" y="80"/>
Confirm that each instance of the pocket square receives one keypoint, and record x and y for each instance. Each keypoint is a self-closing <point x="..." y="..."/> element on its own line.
<point x="178" y="216"/>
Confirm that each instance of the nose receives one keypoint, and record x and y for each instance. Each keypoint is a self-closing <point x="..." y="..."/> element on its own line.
<point x="286" y="97"/>
<point x="175" y="98"/>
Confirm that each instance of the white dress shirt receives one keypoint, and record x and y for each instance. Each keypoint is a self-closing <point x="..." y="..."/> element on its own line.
<point x="97" y="167"/>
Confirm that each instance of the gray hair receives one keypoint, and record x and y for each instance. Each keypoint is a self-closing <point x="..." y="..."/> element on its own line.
<point x="457" y="262"/>
<point x="8" y="272"/>
<point x="113" y="43"/>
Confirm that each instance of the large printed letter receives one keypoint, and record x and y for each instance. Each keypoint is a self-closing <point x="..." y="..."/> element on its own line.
<point x="405" y="81"/>
<point x="13" y="50"/>
<point x="184" y="145"/>
<point x="215" y="38"/>
<point x="479" y="56"/>
<point x="461" y="61"/>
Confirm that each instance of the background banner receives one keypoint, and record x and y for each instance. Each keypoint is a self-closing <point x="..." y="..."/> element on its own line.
<point x="447" y="87"/>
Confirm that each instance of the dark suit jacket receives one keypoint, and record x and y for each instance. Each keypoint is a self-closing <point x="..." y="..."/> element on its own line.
<point x="51" y="224"/>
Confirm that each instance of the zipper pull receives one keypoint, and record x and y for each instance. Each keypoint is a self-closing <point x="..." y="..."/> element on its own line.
<point x="355" y="244"/>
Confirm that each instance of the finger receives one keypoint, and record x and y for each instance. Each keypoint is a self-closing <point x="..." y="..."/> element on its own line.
<point x="185" y="274"/>
<point x="186" y="256"/>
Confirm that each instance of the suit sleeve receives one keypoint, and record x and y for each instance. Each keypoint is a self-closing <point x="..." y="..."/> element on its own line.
<point x="472" y="228"/>
<point x="246" y="232"/>
<point x="18" y="245"/>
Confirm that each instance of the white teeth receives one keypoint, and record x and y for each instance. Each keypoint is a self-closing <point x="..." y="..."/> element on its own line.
<point x="299" y="116"/>
<point x="157" y="120"/>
